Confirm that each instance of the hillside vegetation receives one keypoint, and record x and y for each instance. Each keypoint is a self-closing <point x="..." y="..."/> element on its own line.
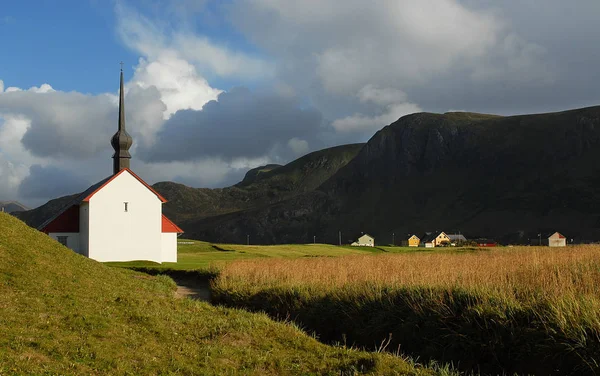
<point x="62" y="313"/>
<point x="261" y="186"/>
<point x="531" y="310"/>
<point x="507" y="178"/>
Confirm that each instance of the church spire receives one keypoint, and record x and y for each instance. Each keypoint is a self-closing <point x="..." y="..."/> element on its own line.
<point x="121" y="141"/>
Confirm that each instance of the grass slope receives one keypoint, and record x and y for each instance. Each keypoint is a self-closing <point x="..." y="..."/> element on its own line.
<point x="62" y="313"/>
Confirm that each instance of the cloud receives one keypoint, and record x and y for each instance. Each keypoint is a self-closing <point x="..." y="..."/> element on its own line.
<point x="394" y="43"/>
<point x="392" y="104"/>
<point x="299" y="147"/>
<point x="176" y="80"/>
<point x="50" y="181"/>
<point x="241" y="124"/>
<point x="155" y="40"/>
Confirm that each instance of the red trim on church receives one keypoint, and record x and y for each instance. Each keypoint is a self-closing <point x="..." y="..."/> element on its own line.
<point x="161" y="198"/>
<point x="168" y="226"/>
<point x="68" y="221"/>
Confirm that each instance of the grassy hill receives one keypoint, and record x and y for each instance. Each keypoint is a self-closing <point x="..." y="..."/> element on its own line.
<point x="62" y="313"/>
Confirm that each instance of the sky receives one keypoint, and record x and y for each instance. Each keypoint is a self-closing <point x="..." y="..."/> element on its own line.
<point x="216" y="87"/>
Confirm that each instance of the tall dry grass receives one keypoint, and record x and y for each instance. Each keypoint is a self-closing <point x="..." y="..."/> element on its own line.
<point x="517" y="309"/>
<point x="571" y="271"/>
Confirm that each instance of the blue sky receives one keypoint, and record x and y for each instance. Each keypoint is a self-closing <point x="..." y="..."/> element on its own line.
<point x="216" y="87"/>
<point x="74" y="46"/>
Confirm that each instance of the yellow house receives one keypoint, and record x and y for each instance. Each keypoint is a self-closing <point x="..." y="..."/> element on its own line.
<point x="414" y="241"/>
<point x="441" y="239"/>
<point x="431" y="240"/>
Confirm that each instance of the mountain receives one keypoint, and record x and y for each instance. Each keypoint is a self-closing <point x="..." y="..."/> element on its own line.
<point x="261" y="186"/>
<point x="12" y="206"/>
<point x="37" y="216"/>
<point x="509" y="178"/>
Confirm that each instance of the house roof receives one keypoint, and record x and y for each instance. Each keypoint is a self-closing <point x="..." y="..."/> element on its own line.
<point x="428" y="237"/>
<point x="455" y="237"/>
<point x="168" y="226"/>
<point x="414" y="236"/>
<point x="560" y="236"/>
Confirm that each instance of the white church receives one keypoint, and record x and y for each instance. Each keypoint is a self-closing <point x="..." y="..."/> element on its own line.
<point x="119" y="218"/>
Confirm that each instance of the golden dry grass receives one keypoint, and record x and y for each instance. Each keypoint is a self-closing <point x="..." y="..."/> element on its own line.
<point x="512" y="309"/>
<point x="558" y="271"/>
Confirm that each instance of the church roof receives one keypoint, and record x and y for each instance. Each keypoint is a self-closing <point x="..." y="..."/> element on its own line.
<point x="168" y="226"/>
<point x="67" y="219"/>
<point x="109" y="179"/>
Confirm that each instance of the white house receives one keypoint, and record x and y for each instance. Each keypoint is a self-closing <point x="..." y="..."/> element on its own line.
<point x="119" y="218"/>
<point x="364" y="241"/>
<point x="557" y="240"/>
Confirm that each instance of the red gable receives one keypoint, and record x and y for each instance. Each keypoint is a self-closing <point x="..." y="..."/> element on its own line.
<point x="67" y="221"/>
<point x="168" y="226"/>
<point x="161" y="198"/>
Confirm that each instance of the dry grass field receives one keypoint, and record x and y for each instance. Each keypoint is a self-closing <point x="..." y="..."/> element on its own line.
<point x="518" y="309"/>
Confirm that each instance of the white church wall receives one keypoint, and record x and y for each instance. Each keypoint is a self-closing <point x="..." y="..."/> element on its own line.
<point x="72" y="239"/>
<point x="84" y="224"/>
<point x="119" y="235"/>
<point x="169" y="247"/>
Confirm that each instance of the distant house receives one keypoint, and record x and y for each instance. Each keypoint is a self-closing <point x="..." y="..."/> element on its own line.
<point x="365" y="240"/>
<point x="457" y="238"/>
<point x="414" y="241"/>
<point x="486" y="243"/>
<point x="557" y="240"/>
<point x="431" y="239"/>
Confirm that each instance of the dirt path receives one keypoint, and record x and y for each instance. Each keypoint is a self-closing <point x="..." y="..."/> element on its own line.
<point x="192" y="288"/>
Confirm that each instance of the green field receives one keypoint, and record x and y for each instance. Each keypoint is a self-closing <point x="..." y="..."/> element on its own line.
<point x="62" y="313"/>
<point x="209" y="256"/>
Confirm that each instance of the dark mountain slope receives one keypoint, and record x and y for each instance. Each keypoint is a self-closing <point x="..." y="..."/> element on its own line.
<point x="261" y="186"/>
<point x="37" y="216"/>
<point x="503" y="177"/>
<point x="12" y="206"/>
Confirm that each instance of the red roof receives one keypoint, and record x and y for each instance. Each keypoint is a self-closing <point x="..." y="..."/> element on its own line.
<point x="161" y="198"/>
<point x="168" y="226"/>
<point x="67" y="221"/>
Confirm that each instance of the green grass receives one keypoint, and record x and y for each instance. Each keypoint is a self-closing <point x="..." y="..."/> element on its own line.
<point x="62" y="313"/>
<point x="209" y="256"/>
<point x="204" y="256"/>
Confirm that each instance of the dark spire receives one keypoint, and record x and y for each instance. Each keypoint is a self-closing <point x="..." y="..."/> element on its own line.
<point x="121" y="141"/>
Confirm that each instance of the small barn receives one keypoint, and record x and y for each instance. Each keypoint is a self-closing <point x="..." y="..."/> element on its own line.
<point x="557" y="240"/>
<point x="414" y="241"/>
<point x="365" y="240"/>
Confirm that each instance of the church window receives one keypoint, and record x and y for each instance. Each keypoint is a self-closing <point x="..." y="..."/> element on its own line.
<point x="126" y="206"/>
<point x="62" y="240"/>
